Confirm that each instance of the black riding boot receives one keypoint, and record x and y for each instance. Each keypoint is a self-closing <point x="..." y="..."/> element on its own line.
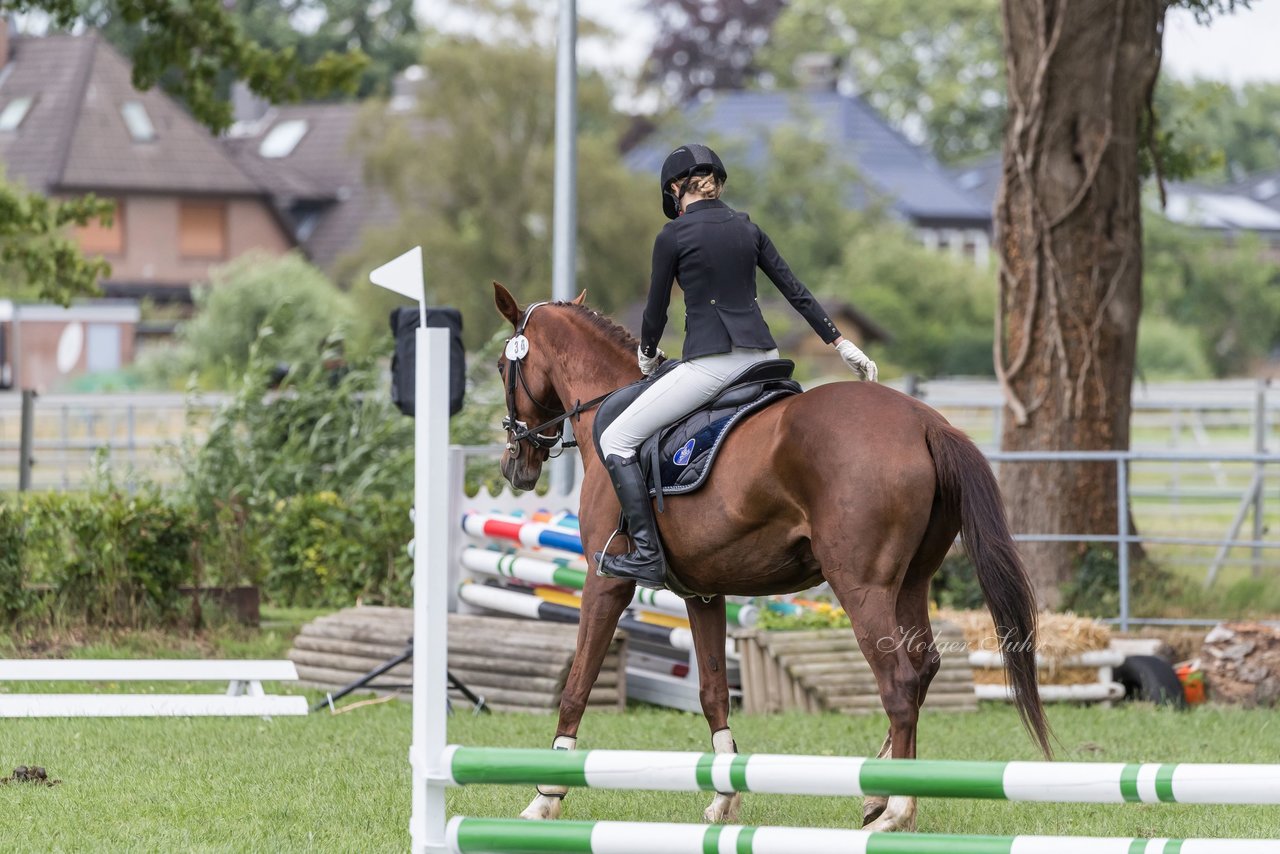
<point x="646" y="565"/>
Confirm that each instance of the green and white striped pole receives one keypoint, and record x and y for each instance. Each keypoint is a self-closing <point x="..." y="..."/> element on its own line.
<point x="516" y="836"/>
<point x="782" y="774"/>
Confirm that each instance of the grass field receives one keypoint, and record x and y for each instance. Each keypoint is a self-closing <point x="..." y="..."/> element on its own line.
<point x="341" y="783"/>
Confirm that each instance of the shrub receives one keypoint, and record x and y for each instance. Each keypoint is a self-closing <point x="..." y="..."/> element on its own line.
<point x="283" y="307"/>
<point x="1168" y="350"/>
<point x="325" y="552"/>
<point x="955" y="585"/>
<point x="1095" y="589"/>
<point x="319" y="432"/>
<point x="111" y="559"/>
<point x="16" y="596"/>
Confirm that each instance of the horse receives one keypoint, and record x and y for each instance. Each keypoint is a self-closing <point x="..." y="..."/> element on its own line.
<point x="852" y="483"/>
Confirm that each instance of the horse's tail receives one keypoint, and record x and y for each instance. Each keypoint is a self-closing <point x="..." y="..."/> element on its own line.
<point x="967" y="485"/>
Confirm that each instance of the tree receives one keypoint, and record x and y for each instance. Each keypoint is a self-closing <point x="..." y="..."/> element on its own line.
<point x="1222" y="292"/>
<point x="37" y="258"/>
<point x="1081" y="79"/>
<point x="471" y="172"/>
<point x="1230" y="131"/>
<point x="283" y="309"/>
<point x="191" y="43"/>
<point x="937" y="76"/>
<point x="707" y="44"/>
<point x="385" y="33"/>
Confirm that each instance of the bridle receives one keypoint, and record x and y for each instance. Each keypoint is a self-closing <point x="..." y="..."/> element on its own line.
<point x="517" y="347"/>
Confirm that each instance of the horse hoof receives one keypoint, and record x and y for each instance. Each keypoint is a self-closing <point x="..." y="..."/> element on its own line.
<point x="542" y="808"/>
<point x="900" y="815"/>
<point x="723" y="809"/>
<point x="889" y="825"/>
<point x="872" y="809"/>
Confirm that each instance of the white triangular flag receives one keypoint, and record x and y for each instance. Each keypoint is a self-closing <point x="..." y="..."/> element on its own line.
<point x="402" y="275"/>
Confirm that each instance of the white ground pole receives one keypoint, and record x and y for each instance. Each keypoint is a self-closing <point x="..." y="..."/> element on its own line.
<point x="403" y="275"/>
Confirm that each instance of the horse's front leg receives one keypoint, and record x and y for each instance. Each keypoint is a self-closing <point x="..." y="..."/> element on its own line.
<point x="603" y="601"/>
<point x="707" y="622"/>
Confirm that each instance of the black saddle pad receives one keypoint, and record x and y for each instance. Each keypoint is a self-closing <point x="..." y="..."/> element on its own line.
<point x="678" y="458"/>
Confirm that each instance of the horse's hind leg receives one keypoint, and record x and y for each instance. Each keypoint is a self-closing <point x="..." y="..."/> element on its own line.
<point x="603" y="601"/>
<point x="707" y="622"/>
<point x="870" y="599"/>
<point x="913" y="618"/>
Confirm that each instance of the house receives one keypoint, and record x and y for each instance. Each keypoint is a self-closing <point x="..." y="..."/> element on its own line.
<point x="42" y="345"/>
<point x="1250" y="205"/>
<point x="71" y="123"/>
<point x="303" y="155"/>
<point x="904" y="177"/>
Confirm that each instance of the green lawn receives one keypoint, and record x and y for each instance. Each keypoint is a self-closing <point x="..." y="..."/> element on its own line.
<point x="341" y="783"/>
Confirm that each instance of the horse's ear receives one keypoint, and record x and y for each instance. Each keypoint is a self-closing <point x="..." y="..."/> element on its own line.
<point x="506" y="304"/>
<point x="580" y="299"/>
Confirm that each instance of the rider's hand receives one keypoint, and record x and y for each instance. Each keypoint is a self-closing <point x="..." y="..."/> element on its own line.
<point x="649" y="364"/>
<point x="856" y="360"/>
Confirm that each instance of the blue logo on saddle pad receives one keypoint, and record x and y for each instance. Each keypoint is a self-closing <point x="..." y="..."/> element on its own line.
<point x="683" y="455"/>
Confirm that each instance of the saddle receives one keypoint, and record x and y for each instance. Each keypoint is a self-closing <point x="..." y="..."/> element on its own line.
<point x="678" y="458"/>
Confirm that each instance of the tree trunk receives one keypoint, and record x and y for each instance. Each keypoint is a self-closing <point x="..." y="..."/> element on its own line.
<point x="1069" y="234"/>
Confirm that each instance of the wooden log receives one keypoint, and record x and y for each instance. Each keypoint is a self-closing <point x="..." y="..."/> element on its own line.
<point x="346" y="647"/>
<point x="557" y="668"/>
<point x="482" y="682"/>
<point x="357" y="666"/>
<point x="368" y="633"/>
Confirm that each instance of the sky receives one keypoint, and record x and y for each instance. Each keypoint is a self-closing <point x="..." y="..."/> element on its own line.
<point x="1236" y="49"/>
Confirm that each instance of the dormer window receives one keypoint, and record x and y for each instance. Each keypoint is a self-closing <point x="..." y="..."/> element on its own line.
<point x="14" y="112"/>
<point x="139" y="123"/>
<point x="282" y="139"/>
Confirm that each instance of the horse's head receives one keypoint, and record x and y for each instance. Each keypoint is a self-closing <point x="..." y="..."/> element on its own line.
<point x="530" y="394"/>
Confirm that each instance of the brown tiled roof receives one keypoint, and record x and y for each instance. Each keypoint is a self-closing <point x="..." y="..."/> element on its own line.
<point x="75" y="139"/>
<point x="52" y="71"/>
<point x="323" y="173"/>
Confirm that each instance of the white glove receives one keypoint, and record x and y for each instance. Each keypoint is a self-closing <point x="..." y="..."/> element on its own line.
<point x="649" y="364"/>
<point x="857" y="360"/>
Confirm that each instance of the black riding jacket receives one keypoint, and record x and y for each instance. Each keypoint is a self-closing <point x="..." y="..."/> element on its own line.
<point x="713" y="251"/>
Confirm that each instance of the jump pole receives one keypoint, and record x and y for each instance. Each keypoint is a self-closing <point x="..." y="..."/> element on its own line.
<point x="516" y="836"/>
<point x="787" y="774"/>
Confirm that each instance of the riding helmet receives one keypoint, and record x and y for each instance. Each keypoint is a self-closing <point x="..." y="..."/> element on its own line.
<point x="685" y="161"/>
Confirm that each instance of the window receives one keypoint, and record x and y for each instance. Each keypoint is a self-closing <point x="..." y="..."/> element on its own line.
<point x="136" y="119"/>
<point x="98" y="238"/>
<point x="202" y="229"/>
<point x="103" y="350"/>
<point x="14" y="112"/>
<point x="282" y="139"/>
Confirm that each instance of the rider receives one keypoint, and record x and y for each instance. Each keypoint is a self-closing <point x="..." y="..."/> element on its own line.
<point x="712" y="251"/>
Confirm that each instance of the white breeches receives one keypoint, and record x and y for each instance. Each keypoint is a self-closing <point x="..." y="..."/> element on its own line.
<point x="674" y="395"/>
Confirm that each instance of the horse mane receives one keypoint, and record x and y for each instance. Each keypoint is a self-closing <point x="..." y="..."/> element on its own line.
<point x="615" y="333"/>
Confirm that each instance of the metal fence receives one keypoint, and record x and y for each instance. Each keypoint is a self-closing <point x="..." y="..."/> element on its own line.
<point x="1199" y="470"/>
<point x="68" y="433"/>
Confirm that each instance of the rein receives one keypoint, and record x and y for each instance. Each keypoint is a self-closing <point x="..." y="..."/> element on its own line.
<point x="518" y="431"/>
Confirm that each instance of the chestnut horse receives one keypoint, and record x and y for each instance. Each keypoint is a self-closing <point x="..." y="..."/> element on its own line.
<point x="851" y="483"/>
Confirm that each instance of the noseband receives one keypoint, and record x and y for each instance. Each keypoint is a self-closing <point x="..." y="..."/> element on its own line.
<point x="518" y="431"/>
